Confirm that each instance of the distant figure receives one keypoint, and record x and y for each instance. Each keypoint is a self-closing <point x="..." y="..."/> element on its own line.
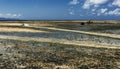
<point x="87" y="23"/>
<point x="25" y="25"/>
<point x="90" y="22"/>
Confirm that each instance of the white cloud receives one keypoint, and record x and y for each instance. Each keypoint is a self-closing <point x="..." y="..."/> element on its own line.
<point x="9" y="15"/>
<point x="113" y="12"/>
<point x="71" y="13"/>
<point x="103" y="10"/>
<point x="94" y="3"/>
<point x="106" y="7"/>
<point x="116" y="3"/>
<point x="93" y="9"/>
<point x="74" y="2"/>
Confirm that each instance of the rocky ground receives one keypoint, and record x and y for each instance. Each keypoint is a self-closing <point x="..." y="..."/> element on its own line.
<point x="36" y="55"/>
<point x="39" y="54"/>
<point x="66" y="36"/>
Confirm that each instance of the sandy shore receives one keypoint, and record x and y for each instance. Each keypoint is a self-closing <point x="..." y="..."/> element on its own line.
<point x="13" y="29"/>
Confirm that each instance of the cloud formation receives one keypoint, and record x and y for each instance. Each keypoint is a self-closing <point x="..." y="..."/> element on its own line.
<point x="74" y="2"/>
<point x="9" y="15"/>
<point x="71" y="11"/>
<point x="116" y="3"/>
<point x="114" y="12"/>
<point x="98" y="7"/>
<point x="103" y="10"/>
<point x="95" y="3"/>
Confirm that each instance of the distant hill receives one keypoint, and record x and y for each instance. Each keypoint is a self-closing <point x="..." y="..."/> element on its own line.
<point x="7" y="19"/>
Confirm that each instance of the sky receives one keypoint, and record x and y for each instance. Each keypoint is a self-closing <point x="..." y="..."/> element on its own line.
<point x="60" y="9"/>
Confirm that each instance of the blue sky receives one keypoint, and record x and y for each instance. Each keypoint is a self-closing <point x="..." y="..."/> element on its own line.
<point x="60" y="9"/>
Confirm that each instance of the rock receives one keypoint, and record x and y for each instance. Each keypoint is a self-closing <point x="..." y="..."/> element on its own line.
<point x="1" y="54"/>
<point x="25" y="25"/>
<point x="84" y="67"/>
<point x="62" y="67"/>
